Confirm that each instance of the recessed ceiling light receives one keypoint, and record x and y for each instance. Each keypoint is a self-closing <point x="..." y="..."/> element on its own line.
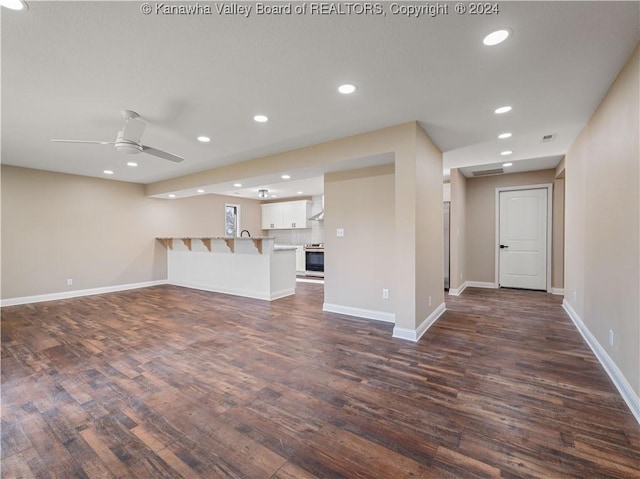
<point x="261" y="118"/>
<point x="496" y="37"/>
<point x="14" y="4"/>
<point x="274" y="196"/>
<point x="347" y="88"/>
<point x="204" y="139"/>
<point x="172" y="195"/>
<point x="507" y="164"/>
<point x="200" y="190"/>
<point x="502" y="109"/>
<point x="506" y="152"/>
<point x="286" y="177"/>
<point x="237" y="185"/>
<point x="299" y="192"/>
<point x="108" y="172"/>
<point x="132" y="163"/>
<point x="503" y="136"/>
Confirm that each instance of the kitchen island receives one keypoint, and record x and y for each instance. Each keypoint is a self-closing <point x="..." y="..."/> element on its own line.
<point x="242" y="266"/>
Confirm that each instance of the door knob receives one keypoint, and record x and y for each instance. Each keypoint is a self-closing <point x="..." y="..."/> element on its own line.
<point x="503" y="246"/>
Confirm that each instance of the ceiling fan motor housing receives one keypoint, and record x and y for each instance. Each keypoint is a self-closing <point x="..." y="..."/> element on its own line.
<point x="127" y="146"/>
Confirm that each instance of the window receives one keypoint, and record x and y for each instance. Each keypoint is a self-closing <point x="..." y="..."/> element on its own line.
<point x="231" y="220"/>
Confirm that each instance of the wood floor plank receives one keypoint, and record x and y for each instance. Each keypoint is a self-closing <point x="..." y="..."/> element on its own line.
<point x="168" y="382"/>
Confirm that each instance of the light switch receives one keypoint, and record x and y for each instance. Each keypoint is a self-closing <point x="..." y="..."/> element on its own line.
<point x="340" y="232"/>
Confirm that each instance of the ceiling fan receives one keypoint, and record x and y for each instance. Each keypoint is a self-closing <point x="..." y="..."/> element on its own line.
<point x="129" y="139"/>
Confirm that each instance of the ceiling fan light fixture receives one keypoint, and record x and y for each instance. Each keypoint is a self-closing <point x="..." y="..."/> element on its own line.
<point x="263" y="193"/>
<point x="14" y="4"/>
<point x="128" y="148"/>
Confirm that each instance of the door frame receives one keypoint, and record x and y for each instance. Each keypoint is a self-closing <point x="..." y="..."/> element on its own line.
<point x="549" y="188"/>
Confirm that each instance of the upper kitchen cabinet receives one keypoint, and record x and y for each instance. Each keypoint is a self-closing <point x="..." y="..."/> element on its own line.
<point x="286" y="215"/>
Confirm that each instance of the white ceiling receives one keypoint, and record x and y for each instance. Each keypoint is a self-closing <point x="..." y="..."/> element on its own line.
<point x="68" y="68"/>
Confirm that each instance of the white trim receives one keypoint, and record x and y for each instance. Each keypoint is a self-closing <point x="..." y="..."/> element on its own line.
<point x="310" y="280"/>
<point x="549" y="188"/>
<point x="558" y="291"/>
<point x="359" y="312"/>
<point x="78" y="293"/>
<point x="415" y="335"/>
<point x="620" y="382"/>
<point x="482" y="284"/>
<point x="472" y="284"/>
<point x="457" y="291"/>
<point x="236" y="292"/>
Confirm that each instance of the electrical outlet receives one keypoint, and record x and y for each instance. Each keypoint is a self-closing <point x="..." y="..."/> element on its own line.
<point x="575" y="296"/>
<point x="69" y="282"/>
<point x="429" y="300"/>
<point x="340" y="232"/>
<point x="385" y="293"/>
<point x="611" y="337"/>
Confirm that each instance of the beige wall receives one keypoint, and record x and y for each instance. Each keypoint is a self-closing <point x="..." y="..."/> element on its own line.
<point x="429" y="227"/>
<point x="602" y="238"/>
<point x="457" y="229"/>
<point x="100" y="233"/>
<point x="557" y="247"/>
<point x="362" y="202"/>
<point x="481" y="219"/>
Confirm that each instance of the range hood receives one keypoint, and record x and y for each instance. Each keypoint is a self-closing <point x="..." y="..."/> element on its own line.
<point x="318" y="216"/>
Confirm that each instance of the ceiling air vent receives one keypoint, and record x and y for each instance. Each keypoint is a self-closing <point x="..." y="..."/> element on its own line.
<point x="495" y="171"/>
<point x="548" y="138"/>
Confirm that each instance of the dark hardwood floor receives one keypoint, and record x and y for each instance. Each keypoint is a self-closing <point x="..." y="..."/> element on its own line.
<point x="171" y="382"/>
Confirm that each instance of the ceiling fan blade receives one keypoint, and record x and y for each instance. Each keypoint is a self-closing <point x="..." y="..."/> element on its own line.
<point x="95" y="142"/>
<point x="133" y="129"/>
<point x="161" y="154"/>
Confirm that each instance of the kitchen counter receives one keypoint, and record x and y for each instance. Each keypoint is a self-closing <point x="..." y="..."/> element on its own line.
<point x="252" y="267"/>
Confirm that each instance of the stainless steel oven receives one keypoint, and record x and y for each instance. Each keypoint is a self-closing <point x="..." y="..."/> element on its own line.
<point x="314" y="259"/>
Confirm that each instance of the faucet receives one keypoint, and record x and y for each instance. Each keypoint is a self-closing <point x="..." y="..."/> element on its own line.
<point x="242" y="232"/>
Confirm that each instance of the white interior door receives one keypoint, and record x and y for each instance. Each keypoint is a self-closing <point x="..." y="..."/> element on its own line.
<point x="523" y="239"/>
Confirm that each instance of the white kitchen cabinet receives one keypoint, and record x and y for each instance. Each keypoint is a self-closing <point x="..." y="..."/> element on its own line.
<point x="272" y="216"/>
<point x="286" y="215"/>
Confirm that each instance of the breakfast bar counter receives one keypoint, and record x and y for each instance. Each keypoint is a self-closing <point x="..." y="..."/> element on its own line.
<point x="252" y="267"/>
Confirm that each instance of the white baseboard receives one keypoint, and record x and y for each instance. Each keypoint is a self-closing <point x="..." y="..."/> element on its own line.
<point x="481" y="284"/>
<point x="458" y="291"/>
<point x="472" y="284"/>
<point x="236" y="292"/>
<point x="359" y="312"/>
<point x="415" y="335"/>
<point x="78" y="293"/>
<point x="558" y="291"/>
<point x="621" y="383"/>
